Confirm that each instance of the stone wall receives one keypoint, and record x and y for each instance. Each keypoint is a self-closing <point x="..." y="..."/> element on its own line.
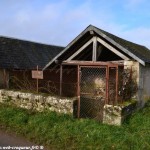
<point x="114" y="115"/>
<point x="36" y="101"/>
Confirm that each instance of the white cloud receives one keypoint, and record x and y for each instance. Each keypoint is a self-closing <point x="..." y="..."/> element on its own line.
<point x="133" y="4"/>
<point x="138" y="35"/>
<point x="57" y="23"/>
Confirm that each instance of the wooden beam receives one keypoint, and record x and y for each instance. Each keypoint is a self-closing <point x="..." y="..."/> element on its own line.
<point x="80" y="50"/>
<point x="60" y="92"/>
<point x="119" y="46"/>
<point x="117" y="80"/>
<point x="112" y="49"/>
<point x="99" y="51"/>
<point x="94" y="55"/>
<point x="69" y="45"/>
<point x="85" y="55"/>
<point x="5" y="78"/>
<point x="92" y="32"/>
<point x="89" y="63"/>
<point x="78" y="90"/>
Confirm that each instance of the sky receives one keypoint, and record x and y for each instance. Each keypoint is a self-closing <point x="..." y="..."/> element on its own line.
<point x="58" y="22"/>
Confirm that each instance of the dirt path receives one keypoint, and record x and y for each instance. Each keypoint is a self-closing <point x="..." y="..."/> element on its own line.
<point x="11" y="141"/>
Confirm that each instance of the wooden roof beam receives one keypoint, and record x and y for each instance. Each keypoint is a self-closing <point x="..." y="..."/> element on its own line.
<point x="80" y="49"/>
<point x="94" y="54"/>
<point x="112" y="49"/>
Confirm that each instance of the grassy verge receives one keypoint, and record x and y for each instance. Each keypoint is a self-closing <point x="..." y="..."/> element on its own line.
<point x="63" y="132"/>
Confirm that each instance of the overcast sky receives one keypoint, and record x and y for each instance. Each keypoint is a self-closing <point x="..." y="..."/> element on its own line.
<point x="58" y="22"/>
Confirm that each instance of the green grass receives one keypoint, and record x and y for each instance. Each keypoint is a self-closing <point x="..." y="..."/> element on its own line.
<point x="58" y="131"/>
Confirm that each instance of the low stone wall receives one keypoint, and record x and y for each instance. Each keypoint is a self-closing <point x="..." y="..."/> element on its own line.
<point x="116" y="115"/>
<point x="36" y="101"/>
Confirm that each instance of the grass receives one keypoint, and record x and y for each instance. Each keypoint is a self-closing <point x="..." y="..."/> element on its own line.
<point x="58" y="131"/>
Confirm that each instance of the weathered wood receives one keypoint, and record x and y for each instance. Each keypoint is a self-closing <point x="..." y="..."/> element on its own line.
<point x="99" y="51"/>
<point x="107" y="85"/>
<point x="37" y="81"/>
<point x="85" y="56"/>
<point x="112" y="49"/>
<point x="78" y="90"/>
<point x="92" y="32"/>
<point x="97" y="31"/>
<point x="117" y="74"/>
<point x="119" y="46"/>
<point x="6" y="78"/>
<point x="69" y="45"/>
<point x="80" y="49"/>
<point x="94" y="55"/>
<point x="60" y="92"/>
<point x="36" y="74"/>
<point x="89" y="63"/>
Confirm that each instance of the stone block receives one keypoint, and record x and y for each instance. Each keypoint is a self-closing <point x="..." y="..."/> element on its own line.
<point x="115" y="115"/>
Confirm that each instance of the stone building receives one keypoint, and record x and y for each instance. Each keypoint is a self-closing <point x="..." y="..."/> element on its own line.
<point x="97" y="48"/>
<point x="95" y="67"/>
<point x="19" y="57"/>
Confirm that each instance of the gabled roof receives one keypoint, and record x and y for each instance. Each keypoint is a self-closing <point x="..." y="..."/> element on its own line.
<point x="135" y="51"/>
<point x="21" y="54"/>
<point x="140" y="51"/>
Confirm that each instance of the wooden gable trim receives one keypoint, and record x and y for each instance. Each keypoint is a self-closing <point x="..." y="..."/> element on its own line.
<point x="94" y="56"/>
<point x="119" y="46"/>
<point x="89" y="28"/>
<point x="93" y="29"/>
<point x="80" y="49"/>
<point x="112" y="49"/>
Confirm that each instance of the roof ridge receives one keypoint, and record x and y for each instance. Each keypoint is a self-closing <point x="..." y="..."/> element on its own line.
<point x="24" y="40"/>
<point x="103" y="31"/>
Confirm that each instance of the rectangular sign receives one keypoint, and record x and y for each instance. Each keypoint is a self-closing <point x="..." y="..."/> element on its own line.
<point x="37" y="74"/>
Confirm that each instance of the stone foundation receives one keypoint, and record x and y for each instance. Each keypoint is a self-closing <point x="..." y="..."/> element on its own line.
<point x="116" y="115"/>
<point x="37" y="102"/>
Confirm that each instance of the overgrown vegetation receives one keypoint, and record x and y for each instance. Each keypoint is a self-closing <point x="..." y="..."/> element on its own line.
<point x="58" y="131"/>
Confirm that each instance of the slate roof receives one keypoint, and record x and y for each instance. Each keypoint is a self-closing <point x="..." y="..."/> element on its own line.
<point x="133" y="50"/>
<point x="140" y="51"/>
<point x="21" y="54"/>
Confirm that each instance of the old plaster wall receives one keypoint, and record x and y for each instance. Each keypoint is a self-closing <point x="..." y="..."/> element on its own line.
<point x="36" y="101"/>
<point x="142" y="75"/>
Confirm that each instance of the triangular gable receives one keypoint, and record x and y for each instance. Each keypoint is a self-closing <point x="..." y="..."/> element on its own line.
<point x="109" y="38"/>
<point x="97" y="39"/>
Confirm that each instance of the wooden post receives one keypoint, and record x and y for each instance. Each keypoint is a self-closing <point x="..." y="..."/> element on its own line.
<point x="94" y="56"/>
<point x="117" y="84"/>
<point x="78" y="90"/>
<point x="5" y="78"/>
<point x="107" y="85"/>
<point x="60" y="92"/>
<point x="37" y="82"/>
